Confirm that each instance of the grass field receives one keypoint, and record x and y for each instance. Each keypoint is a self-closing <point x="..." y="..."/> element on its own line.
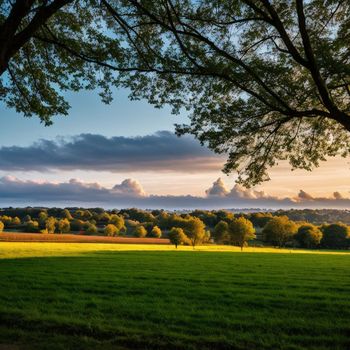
<point x="108" y="296"/>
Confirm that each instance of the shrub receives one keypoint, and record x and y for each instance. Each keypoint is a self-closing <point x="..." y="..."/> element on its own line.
<point x="1" y="226"/>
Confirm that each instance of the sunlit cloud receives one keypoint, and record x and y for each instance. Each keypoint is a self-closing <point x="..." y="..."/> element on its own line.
<point x="130" y="193"/>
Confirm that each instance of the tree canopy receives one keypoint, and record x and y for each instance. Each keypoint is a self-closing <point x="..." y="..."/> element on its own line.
<point x="263" y="81"/>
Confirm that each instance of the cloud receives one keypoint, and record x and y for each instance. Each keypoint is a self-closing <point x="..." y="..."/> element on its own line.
<point x="338" y="195"/>
<point x="218" y="189"/>
<point x="129" y="193"/>
<point x="129" y="188"/>
<point x="304" y="195"/>
<point x="162" y="151"/>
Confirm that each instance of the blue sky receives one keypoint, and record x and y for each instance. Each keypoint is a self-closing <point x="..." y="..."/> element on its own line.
<point x="89" y="115"/>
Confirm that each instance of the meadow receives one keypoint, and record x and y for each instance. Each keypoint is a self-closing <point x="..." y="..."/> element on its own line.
<point x="110" y="296"/>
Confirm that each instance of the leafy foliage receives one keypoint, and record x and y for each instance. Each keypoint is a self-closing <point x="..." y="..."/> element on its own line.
<point x="263" y="81"/>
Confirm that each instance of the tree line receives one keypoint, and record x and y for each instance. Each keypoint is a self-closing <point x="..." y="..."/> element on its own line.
<point x="193" y="228"/>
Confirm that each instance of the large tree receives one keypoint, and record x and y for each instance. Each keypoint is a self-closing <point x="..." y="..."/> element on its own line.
<point x="263" y="80"/>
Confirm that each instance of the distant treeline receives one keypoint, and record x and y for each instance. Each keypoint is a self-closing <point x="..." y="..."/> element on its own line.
<point x="292" y="228"/>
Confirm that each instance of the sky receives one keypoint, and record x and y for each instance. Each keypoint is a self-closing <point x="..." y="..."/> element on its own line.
<point x="126" y="154"/>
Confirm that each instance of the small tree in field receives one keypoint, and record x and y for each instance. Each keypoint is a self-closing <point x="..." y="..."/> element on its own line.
<point x="63" y="226"/>
<point x="177" y="236"/>
<point x="140" y="231"/>
<point x="1" y="226"/>
<point x="50" y="224"/>
<point x="308" y="236"/>
<point x="111" y="230"/>
<point x="156" y="232"/>
<point x="241" y="230"/>
<point x="195" y="230"/>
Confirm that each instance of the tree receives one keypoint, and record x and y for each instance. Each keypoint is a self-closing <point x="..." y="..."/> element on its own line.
<point x="177" y="236"/>
<point x="27" y="218"/>
<point x="32" y="226"/>
<point x="66" y="214"/>
<point x="264" y="80"/>
<point x="241" y="230"/>
<point x="140" y="231"/>
<point x="111" y="230"/>
<point x="63" y="226"/>
<point x="91" y="228"/>
<point x="156" y="232"/>
<point x="308" y="236"/>
<point x="117" y="221"/>
<point x="195" y="230"/>
<point x="104" y="217"/>
<point x="50" y="224"/>
<point x="279" y="230"/>
<point x="16" y="221"/>
<point x="336" y="236"/>
<point x="221" y="234"/>
<point x="77" y="225"/>
<point x="1" y="226"/>
<point x="42" y="217"/>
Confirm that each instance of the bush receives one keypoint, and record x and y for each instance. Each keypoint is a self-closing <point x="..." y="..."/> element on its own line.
<point x="1" y="226"/>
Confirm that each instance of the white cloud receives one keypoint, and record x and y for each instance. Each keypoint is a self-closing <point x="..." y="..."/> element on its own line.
<point x="218" y="189"/>
<point x="129" y="187"/>
<point x="129" y="193"/>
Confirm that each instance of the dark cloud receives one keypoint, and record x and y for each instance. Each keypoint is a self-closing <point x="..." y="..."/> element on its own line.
<point x="130" y="193"/>
<point x="162" y="151"/>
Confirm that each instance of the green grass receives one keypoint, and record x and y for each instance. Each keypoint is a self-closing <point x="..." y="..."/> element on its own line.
<point x="102" y="296"/>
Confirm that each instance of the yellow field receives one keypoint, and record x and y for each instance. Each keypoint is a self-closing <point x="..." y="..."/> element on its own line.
<point x="39" y="249"/>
